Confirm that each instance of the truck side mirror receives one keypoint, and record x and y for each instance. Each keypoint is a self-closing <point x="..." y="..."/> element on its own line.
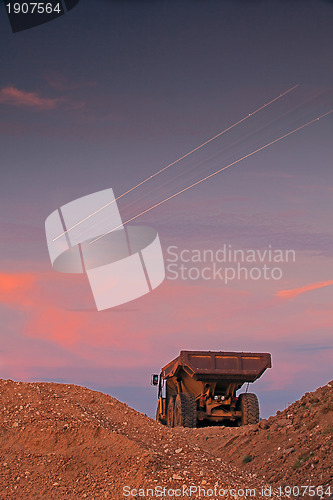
<point x="154" y="380"/>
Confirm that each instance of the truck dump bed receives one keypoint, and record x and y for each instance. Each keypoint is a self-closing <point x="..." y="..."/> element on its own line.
<point x="218" y="365"/>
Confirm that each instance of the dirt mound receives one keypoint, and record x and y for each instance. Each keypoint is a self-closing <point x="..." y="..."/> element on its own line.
<point x="293" y="448"/>
<point x="64" y="441"/>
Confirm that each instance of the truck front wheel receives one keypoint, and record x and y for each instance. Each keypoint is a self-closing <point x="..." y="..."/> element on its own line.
<point x="249" y="406"/>
<point x="185" y="413"/>
<point x="160" y="411"/>
<point x="170" y="412"/>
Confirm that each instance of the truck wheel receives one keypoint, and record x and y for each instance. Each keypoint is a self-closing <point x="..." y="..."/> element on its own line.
<point x="170" y="412"/>
<point x="185" y="413"/>
<point x="160" y="411"/>
<point x="249" y="406"/>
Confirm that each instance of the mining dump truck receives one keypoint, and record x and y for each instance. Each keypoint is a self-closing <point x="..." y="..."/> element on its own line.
<point x="199" y="388"/>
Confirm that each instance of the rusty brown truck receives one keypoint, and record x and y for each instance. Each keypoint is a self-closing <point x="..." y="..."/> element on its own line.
<point x="199" y="387"/>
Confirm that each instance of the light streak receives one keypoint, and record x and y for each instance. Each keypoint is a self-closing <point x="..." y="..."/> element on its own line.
<point x="178" y="160"/>
<point x="215" y="173"/>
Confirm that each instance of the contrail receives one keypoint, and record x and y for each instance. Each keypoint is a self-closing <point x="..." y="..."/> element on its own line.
<point x="294" y="292"/>
<point x="216" y="172"/>
<point x="178" y="160"/>
<point x="182" y="171"/>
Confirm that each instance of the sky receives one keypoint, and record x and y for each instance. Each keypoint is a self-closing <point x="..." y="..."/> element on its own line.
<point x="110" y="93"/>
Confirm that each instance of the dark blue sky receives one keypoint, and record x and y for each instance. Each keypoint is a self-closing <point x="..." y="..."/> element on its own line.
<point x="139" y="83"/>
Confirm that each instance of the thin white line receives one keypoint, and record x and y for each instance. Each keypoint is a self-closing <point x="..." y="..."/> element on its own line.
<point x="214" y="173"/>
<point x="178" y="160"/>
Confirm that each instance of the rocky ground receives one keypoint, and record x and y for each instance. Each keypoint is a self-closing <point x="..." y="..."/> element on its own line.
<point x="64" y="441"/>
<point x="293" y="448"/>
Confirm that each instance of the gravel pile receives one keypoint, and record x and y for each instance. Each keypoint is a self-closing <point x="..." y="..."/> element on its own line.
<point x="292" y="448"/>
<point x="64" y="441"/>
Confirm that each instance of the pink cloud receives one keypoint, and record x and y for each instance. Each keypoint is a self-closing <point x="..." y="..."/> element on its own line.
<point x="59" y="308"/>
<point x="54" y="314"/>
<point x="16" y="288"/>
<point x="15" y="97"/>
<point x="294" y="292"/>
<point x="32" y="294"/>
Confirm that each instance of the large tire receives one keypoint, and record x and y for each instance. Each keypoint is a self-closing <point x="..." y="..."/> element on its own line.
<point x="170" y="412"/>
<point x="185" y="413"/>
<point x="159" y="413"/>
<point x="249" y="406"/>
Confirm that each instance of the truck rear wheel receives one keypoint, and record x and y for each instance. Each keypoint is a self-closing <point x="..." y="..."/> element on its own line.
<point x="170" y="412"/>
<point x="185" y="412"/>
<point x="249" y="406"/>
